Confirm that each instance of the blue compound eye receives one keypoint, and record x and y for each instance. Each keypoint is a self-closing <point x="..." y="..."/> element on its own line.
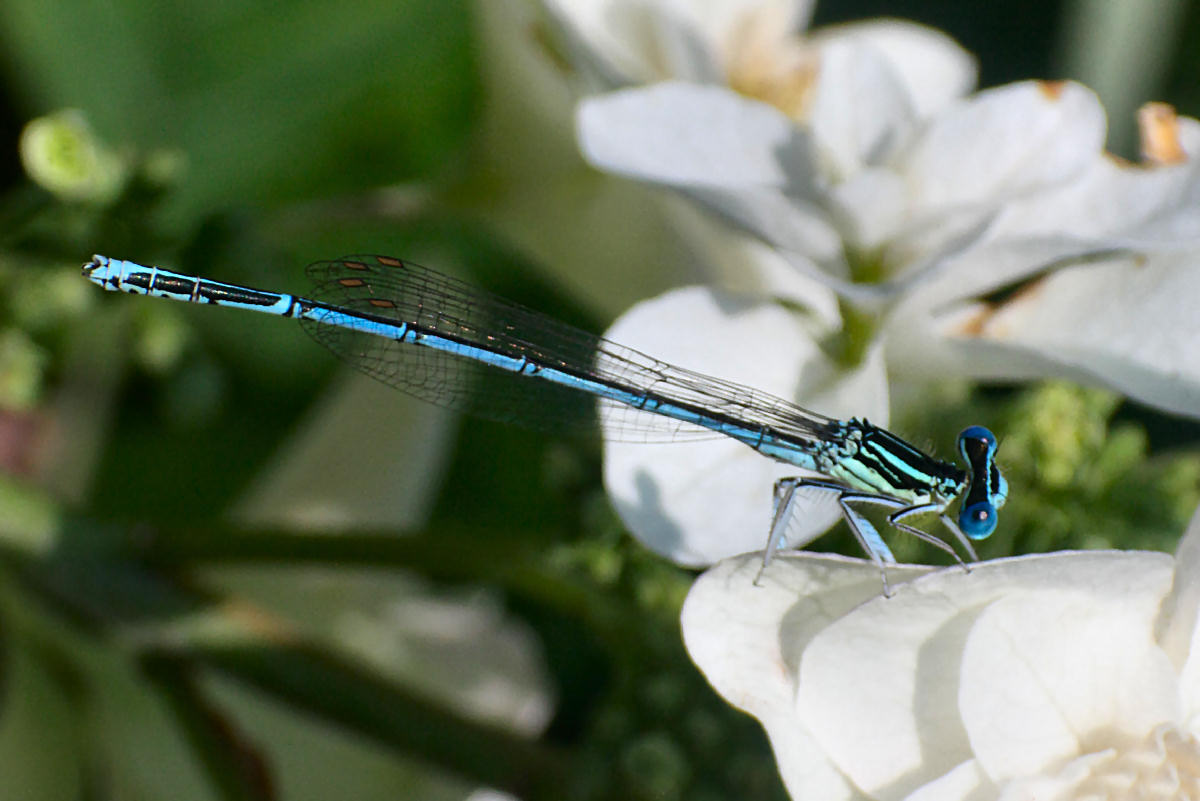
<point x="973" y="434"/>
<point x="978" y="520"/>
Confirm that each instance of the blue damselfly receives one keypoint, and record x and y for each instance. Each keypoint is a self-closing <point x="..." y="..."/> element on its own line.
<point x="415" y="329"/>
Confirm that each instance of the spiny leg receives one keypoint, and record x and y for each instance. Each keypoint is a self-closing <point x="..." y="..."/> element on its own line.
<point x="862" y="529"/>
<point x="784" y="497"/>
<point x="896" y="519"/>
<point x="962" y="538"/>
<point x="786" y="490"/>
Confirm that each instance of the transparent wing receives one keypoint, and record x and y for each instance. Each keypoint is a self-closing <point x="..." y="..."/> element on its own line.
<point x="443" y="305"/>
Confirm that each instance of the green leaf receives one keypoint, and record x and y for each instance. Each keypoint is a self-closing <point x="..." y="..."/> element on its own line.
<point x="269" y="103"/>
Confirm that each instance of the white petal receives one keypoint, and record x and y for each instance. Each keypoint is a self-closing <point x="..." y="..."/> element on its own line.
<point x="962" y="259"/>
<point x="739" y="157"/>
<point x="932" y="265"/>
<point x="794" y="226"/>
<point x="633" y="41"/>
<point x="1061" y="784"/>
<point x="1179" y="629"/>
<point x="678" y="133"/>
<point x="697" y="502"/>
<point x="1115" y="204"/>
<point x="1004" y="143"/>
<point x="1049" y="673"/>
<point x="1129" y="323"/>
<point x="641" y="41"/>
<point x="718" y="19"/>
<point x="589" y="30"/>
<point x="746" y="264"/>
<point x="1189" y="136"/>
<point x="880" y="688"/>
<point x="465" y="650"/>
<point x="861" y="112"/>
<point x="747" y="640"/>
<point x="872" y="207"/>
<point x="313" y="483"/>
<point x="1111" y="207"/>
<point x="964" y="781"/>
<point x="933" y="68"/>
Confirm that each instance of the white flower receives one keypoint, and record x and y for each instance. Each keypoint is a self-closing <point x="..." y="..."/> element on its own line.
<point x="909" y="224"/>
<point x="610" y="238"/>
<point x="885" y="74"/>
<point x="756" y="166"/>
<point x="1124" y="318"/>
<point x="684" y="499"/>
<point x="1066" y="675"/>
<point x="883" y="210"/>
<point x="752" y="46"/>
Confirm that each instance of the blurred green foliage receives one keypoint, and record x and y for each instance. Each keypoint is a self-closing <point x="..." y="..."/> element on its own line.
<point x="143" y="652"/>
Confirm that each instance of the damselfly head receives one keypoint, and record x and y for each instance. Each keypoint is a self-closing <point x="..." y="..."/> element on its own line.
<point x="975" y="442"/>
<point x="988" y="490"/>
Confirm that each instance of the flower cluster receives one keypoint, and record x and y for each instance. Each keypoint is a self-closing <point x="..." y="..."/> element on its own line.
<point x="889" y="218"/>
<point x="896" y="222"/>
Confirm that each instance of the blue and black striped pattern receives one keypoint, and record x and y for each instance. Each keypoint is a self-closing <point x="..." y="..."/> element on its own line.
<point x="423" y="332"/>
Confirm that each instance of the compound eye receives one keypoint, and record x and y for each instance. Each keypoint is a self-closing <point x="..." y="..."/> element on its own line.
<point x="976" y="434"/>
<point x="978" y="520"/>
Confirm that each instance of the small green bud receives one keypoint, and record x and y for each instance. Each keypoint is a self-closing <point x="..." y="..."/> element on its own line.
<point x="61" y="154"/>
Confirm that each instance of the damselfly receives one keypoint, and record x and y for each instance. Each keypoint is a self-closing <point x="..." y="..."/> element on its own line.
<point x="415" y="329"/>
